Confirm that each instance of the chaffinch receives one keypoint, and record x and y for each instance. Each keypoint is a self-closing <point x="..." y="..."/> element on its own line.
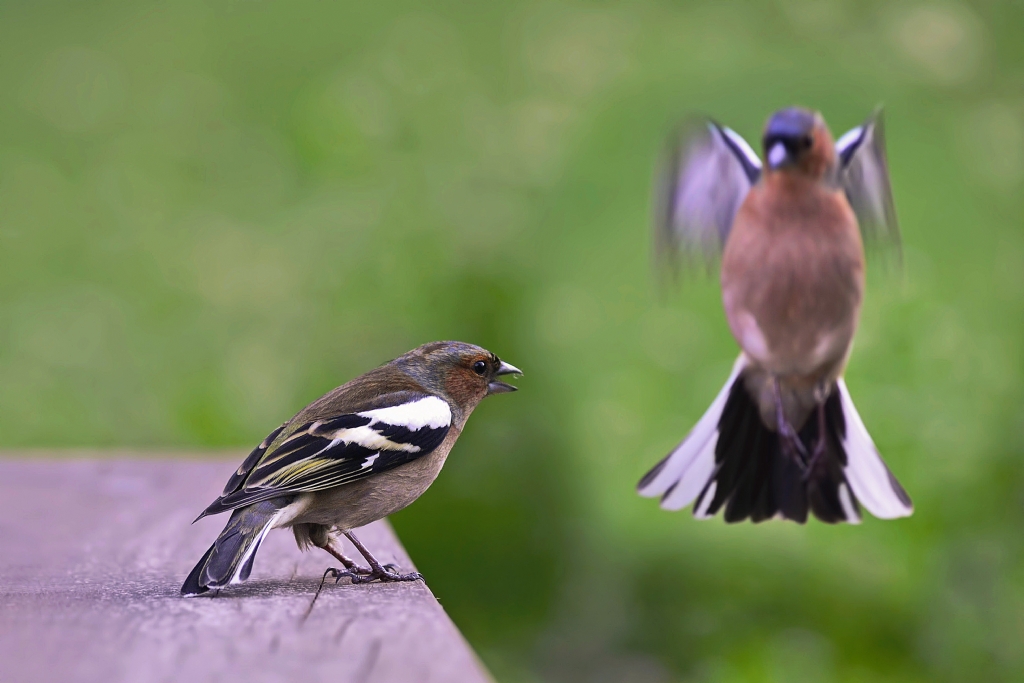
<point x="783" y="436"/>
<point x="355" y="455"/>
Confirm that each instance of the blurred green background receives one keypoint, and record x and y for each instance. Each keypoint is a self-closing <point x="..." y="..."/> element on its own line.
<point x="211" y="213"/>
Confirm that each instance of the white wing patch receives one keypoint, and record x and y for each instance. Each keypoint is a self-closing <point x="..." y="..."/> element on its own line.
<point x="426" y="412"/>
<point x="743" y="146"/>
<point x="430" y="412"/>
<point x="369" y="461"/>
<point x="368" y="438"/>
<point x="850" y="137"/>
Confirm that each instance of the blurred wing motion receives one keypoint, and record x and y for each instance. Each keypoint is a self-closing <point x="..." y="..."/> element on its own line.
<point x="709" y="171"/>
<point x="338" y="450"/>
<point x="864" y="175"/>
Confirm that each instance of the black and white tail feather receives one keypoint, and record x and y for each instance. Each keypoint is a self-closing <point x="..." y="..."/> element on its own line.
<point x="731" y="459"/>
<point x="230" y="558"/>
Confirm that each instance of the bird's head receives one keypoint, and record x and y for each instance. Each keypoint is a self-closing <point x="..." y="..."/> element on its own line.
<point x="797" y="139"/>
<point x="464" y="372"/>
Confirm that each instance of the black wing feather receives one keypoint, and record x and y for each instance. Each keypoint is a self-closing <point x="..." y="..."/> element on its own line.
<point x="238" y="478"/>
<point x="321" y="454"/>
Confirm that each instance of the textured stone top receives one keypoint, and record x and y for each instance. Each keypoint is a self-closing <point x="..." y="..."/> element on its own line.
<point x="93" y="552"/>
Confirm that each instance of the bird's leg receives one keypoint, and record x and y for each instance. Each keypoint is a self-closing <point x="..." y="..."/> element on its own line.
<point x="348" y="563"/>
<point x="790" y="440"/>
<point x="386" y="573"/>
<point x="819" y="445"/>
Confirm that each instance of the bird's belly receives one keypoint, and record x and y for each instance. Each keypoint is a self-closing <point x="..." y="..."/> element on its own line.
<point x="817" y="352"/>
<point x="793" y="322"/>
<point x="367" y="500"/>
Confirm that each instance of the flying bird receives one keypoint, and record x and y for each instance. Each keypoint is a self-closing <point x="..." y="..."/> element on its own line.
<point x="783" y="437"/>
<point x="355" y="455"/>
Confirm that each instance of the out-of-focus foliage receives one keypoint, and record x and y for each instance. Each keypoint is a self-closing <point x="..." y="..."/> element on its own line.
<point x="211" y="213"/>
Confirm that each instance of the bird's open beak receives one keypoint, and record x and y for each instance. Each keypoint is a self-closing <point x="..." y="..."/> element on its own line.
<point x="501" y="387"/>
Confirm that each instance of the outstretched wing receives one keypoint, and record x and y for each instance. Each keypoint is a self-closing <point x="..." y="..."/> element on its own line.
<point x="338" y="450"/>
<point x="864" y="175"/>
<point x="709" y="171"/>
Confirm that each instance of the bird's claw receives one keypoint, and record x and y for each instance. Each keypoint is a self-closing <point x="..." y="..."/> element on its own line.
<point x="387" y="574"/>
<point x="338" y="574"/>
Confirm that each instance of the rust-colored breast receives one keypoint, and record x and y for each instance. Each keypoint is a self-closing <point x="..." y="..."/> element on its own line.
<point x="793" y="274"/>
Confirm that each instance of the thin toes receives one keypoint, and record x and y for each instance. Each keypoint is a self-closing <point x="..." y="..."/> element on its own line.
<point x="369" y="577"/>
<point x="338" y="574"/>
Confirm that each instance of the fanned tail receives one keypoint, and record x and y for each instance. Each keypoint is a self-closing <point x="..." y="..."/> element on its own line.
<point x="871" y="481"/>
<point x="732" y="460"/>
<point x="679" y="478"/>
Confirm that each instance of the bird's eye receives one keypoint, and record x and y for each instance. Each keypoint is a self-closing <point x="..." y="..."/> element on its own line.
<point x="480" y="367"/>
<point x="806" y="142"/>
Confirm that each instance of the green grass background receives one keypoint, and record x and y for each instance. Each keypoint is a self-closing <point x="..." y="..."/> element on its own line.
<point x="211" y="213"/>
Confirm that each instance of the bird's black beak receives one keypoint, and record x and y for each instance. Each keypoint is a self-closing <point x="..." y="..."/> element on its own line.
<point x="497" y="387"/>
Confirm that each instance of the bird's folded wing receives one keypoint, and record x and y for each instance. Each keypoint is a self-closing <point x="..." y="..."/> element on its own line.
<point x="864" y="175"/>
<point x="238" y="478"/>
<point x="708" y="173"/>
<point x="340" y="449"/>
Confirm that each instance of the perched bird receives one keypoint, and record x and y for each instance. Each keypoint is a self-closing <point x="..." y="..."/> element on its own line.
<point x="355" y="455"/>
<point x="783" y="436"/>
